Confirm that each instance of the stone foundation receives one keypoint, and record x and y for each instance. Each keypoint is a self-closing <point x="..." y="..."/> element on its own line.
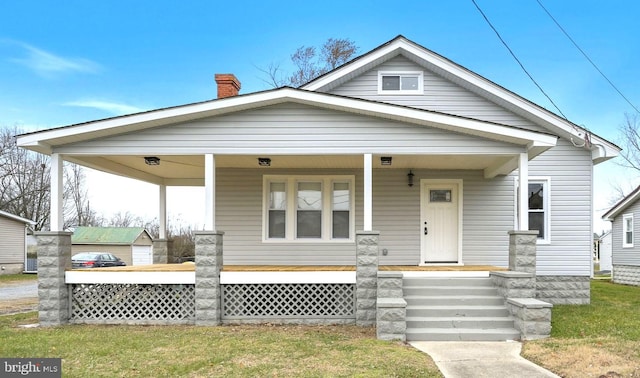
<point x="531" y="317"/>
<point x="208" y="266"/>
<point x="514" y="284"/>
<point x="11" y="269"/>
<point x="366" y="277"/>
<point x="564" y="289"/>
<point x="54" y="258"/>
<point x="626" y="274"/>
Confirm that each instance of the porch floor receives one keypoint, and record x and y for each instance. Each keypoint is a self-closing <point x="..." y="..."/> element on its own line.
<point x="190" y="267"/>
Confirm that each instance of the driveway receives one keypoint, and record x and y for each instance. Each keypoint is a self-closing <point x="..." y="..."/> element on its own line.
<point x="18" y="297"/>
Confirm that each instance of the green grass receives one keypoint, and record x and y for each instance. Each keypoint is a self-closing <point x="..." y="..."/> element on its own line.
<point x="6" y="278"/>
<point x="594" y="339"/>
<point x="227" y="351"/>
<point x="614" y="311"/>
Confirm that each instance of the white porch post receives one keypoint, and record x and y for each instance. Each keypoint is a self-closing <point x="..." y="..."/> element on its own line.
<point x="163" y="212"/>
<point x="209" y="192"/>
<point x="56" y="211"/>
<point x="368" y="196"/>
<point x="523" y="190"/>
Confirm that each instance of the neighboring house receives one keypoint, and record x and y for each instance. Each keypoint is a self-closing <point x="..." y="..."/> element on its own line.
<point x="605" y="250"/>
<point x="439" y="160"/>
<point x="133" y="245"/>
<point x="625" y="241"/>
<point x="13" y="248"/>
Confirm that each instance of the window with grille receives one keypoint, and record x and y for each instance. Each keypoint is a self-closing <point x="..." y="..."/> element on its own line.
<point x="308" y="208"/>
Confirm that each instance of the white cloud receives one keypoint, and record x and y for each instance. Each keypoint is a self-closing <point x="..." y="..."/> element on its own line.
<point x="47" y="64"/>
<point x="110" y="107"/>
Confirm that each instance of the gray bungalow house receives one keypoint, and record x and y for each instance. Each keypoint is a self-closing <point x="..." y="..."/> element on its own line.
<point x="445" y="167"/>
<point x="625" y="244"/>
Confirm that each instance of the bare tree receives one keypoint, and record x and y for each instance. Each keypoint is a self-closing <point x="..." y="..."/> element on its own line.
<point x="630" y="131"/>
<point x="309" y="64"/>
<point x="25" y="185"/>
<point x="24" y="181"/>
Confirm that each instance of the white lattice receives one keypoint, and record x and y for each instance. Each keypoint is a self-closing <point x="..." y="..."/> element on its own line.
<point x="132" y="302"/>
<point x="246" y="301"/>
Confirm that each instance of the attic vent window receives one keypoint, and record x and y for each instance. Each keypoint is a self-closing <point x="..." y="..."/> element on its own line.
<point x="400" y="82"/>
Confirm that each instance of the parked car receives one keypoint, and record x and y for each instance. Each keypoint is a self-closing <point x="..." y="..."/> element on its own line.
<point x="95" y="260"/>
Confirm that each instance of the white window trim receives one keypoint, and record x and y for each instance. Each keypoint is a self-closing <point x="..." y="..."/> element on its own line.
<point x="327" y="207"/>
<point x="624" y="231"/>
<point x="546" y="180"/>
<point x="420" y="89"/>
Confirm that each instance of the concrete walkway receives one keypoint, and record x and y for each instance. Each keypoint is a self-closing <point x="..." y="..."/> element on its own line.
<point x="461" y="359"/>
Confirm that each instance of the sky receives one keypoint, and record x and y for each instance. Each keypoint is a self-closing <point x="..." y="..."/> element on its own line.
<point x="66" y="62"/>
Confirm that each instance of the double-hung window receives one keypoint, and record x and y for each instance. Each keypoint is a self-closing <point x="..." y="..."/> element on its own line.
<point x="400" y="82"/>
<point x="308" y="208"/>
<point x="627" y="231"/>
<point x="539" y="207"/>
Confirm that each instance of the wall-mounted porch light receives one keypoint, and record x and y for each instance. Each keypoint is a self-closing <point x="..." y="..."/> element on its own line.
<point x="152" y="160"/>
<point x="385" y="160"/>
<point x="264" y="162"/>
<point x="410" y="178"/>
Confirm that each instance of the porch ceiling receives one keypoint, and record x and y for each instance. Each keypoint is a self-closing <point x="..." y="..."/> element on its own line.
<point x="177" y="170"/>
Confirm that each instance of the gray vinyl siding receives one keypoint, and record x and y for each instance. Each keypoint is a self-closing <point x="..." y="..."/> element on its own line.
<point x="12" y="234"/>
<point x="440" y="95"/>
<point x="396" y="214"/>
<point x="291" y="129"/>
<point x="570" y="168"/>
<point x="571" y="174"/>
<point x="626" y="256"/>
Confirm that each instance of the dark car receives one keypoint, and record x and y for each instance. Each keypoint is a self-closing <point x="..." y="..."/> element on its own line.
<point x="95" y="260"/>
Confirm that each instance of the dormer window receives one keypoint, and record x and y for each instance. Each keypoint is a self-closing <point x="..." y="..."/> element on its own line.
<point x="398" y="82"/>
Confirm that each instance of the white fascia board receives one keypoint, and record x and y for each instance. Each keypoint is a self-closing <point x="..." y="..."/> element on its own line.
<point x="329" y="277"/>
<point x="622" y="205"/>
<point x="38" y="140"/>
<point x="106" y="277"/>
<point x="428" y="118"/>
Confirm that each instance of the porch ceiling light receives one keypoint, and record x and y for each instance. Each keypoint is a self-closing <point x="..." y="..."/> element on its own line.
<point x="410" y="178"/>
<point x="152" y="160"/>
<point x="385" y="160"/>
<point x="264" y="162"/>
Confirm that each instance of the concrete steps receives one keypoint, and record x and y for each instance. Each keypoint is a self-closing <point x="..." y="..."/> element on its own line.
<point x="450" y="309"/>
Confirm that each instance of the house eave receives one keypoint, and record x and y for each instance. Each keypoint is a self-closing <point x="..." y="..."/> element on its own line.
<point x="622" y="205"/>
<point x="602" y="149"/>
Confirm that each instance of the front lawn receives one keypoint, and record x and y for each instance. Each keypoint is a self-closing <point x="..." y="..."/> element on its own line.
<point x="595" y="339"/>
<point x="9" y="278"/>
<point x="228" y="351"/>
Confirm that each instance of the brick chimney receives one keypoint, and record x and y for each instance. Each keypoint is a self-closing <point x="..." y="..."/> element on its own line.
<point x="228" y="85"/>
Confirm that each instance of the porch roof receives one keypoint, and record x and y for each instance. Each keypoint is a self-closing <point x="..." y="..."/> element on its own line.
<point x="56" y="140"/>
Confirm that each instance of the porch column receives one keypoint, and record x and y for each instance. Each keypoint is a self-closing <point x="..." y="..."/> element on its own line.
<point x="162" y="216"/>
<point x="161" y="245"/>
<point x="366" y="277"/>
<point x="368" y="190"/>
<point x="54" y="258"/>
<point x="208" y="267"/>
<point x="209" y="192"/>
<point x="56" y="209"/>
<point x="523" y="191"/>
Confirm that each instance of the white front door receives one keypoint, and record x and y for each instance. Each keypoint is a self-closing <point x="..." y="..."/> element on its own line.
<point x="440" y="221"/>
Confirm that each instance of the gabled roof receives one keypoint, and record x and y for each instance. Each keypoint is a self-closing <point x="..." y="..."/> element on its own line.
<point x="46" y="141"/>
<point x="16" y="218"/>
<point x="107" y="235"/>
<point x="601" y="149"/>
<point x="622" y="205"/>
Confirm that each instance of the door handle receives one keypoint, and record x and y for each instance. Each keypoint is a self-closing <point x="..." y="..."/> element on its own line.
<point x="426" y="230"/>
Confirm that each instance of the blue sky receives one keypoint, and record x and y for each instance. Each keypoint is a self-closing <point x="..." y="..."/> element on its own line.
<point x="75" y="61"/>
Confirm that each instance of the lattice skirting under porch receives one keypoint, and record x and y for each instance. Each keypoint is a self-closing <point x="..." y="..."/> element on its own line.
<point x="132" y="303"/>
<point x="272" y="302"/>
